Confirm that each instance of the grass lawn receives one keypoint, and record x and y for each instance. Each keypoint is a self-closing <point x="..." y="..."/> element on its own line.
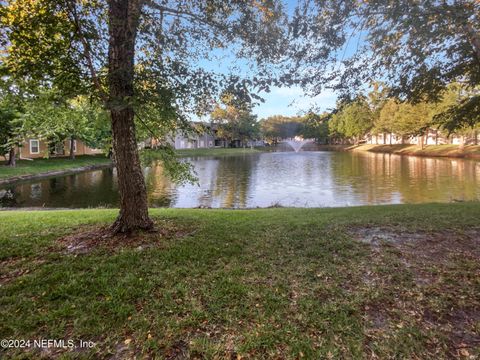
<point x="38" y="166"/>
<point x="472" y="151"/>
<point x="217" y="151"/>
<point x="398" y="281"/>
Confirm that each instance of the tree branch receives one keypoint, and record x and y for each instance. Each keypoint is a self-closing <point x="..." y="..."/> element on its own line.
<point x="86" y="50"/>
<point x="164" y="9"/>
<point x="474" y="39"/>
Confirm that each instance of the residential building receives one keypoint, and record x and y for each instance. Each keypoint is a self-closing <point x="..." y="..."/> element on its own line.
<point x="202" y="140"/>
<point x="204" y="137"/>
<point x="431" y="137"/>
<point x="33" y="148"/>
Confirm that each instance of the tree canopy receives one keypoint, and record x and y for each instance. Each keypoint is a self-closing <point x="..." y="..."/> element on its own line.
<point x="132" y="54"/>
<point x="417" y="47"/>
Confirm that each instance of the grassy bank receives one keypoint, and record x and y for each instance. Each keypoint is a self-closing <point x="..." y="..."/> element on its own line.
<point x="216" y="151"/>
<point x="387" y="282"/>
<point x="470" y="151"/>
<point x="40" y="166"/>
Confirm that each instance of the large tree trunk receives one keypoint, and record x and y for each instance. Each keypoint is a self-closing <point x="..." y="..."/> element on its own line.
<point x="123" y="23"/>
<point x="72" y="147"/>
<point x="12" y="161"/>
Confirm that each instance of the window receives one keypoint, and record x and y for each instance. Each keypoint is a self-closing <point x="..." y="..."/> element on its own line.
<point x="59" y="148"/>
<point x="74" y="146"/>
<point x="34" y="147"/>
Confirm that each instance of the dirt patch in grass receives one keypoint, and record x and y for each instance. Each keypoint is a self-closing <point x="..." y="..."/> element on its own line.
<point x="442" y="297"/>
<point x="428" y="245"/>
<point x="179" y="350"/>
<point x="85" y="240"/>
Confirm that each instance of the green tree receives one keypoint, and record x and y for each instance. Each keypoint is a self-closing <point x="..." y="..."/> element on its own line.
<point x="353" y="120"/>
<point x="167" y="40"/>
<point x="315" y="127"/>
<point x="11" y="129"/>
<point x="277" y="127"/>
<point x="413" y="120"/>
<point x="385" y="122"/>
<point x="417" y="47"/>
<point x="51" y="117"/>
<point x="235" y="122"/>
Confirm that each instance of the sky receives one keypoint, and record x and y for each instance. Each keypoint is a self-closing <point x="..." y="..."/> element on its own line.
<point x="292" y="101"/>
<point x="287" y="101"/>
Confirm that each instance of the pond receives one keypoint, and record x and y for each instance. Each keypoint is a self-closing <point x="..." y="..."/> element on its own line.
<point x="303" y="179"/>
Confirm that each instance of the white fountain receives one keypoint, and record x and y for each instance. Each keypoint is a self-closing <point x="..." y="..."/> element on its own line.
<point x="297" y="142"/>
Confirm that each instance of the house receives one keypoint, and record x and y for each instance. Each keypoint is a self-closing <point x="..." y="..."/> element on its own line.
<point x="201" y="140"/>
<point x="32" y="148"/>
<point x="203" y="137"/>
<point x="431" y="137"/>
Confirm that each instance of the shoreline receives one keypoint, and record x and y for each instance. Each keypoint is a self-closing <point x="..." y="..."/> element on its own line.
<point x="230" y="209"/>
<point x="448" y="151"/>
<point x="53" y="173"/>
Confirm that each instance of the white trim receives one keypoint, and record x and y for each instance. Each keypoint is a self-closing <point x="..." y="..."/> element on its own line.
<point x="38" y="146"/>
<point x="74" y="146"/>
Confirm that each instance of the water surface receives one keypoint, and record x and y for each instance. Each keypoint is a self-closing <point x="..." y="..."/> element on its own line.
<point x="304" y="179"/>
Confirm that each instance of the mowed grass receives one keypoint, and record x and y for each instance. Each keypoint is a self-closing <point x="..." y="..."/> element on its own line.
<point x="266" y="283"/>
<point x="39" y="166"/>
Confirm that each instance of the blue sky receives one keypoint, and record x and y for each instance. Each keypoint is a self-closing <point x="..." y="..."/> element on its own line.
<point x="292" y="101"/>
<point x="287" y="101"/>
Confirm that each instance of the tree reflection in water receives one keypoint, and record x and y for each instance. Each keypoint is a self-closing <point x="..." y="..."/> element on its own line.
<point x="307" y="178"/>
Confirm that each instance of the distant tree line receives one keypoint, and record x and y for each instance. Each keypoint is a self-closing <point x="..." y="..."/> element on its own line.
<point x="310" y="126"/>
<point x="378" y="113"/>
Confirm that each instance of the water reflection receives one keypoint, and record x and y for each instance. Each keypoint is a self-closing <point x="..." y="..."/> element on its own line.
<point x="307" y="179"/>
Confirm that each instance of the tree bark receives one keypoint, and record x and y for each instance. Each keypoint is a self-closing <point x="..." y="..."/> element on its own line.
<point x="422" y="141"/>
<point x="123" y="23"/>
<point x="12" y="161"/>
<point x="462" y="142"/>
<point x="384" y="138"/>
<point x="72" y="147"/>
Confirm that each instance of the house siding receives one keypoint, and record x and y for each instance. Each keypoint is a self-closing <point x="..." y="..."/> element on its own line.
<point x="23" y="151"/>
